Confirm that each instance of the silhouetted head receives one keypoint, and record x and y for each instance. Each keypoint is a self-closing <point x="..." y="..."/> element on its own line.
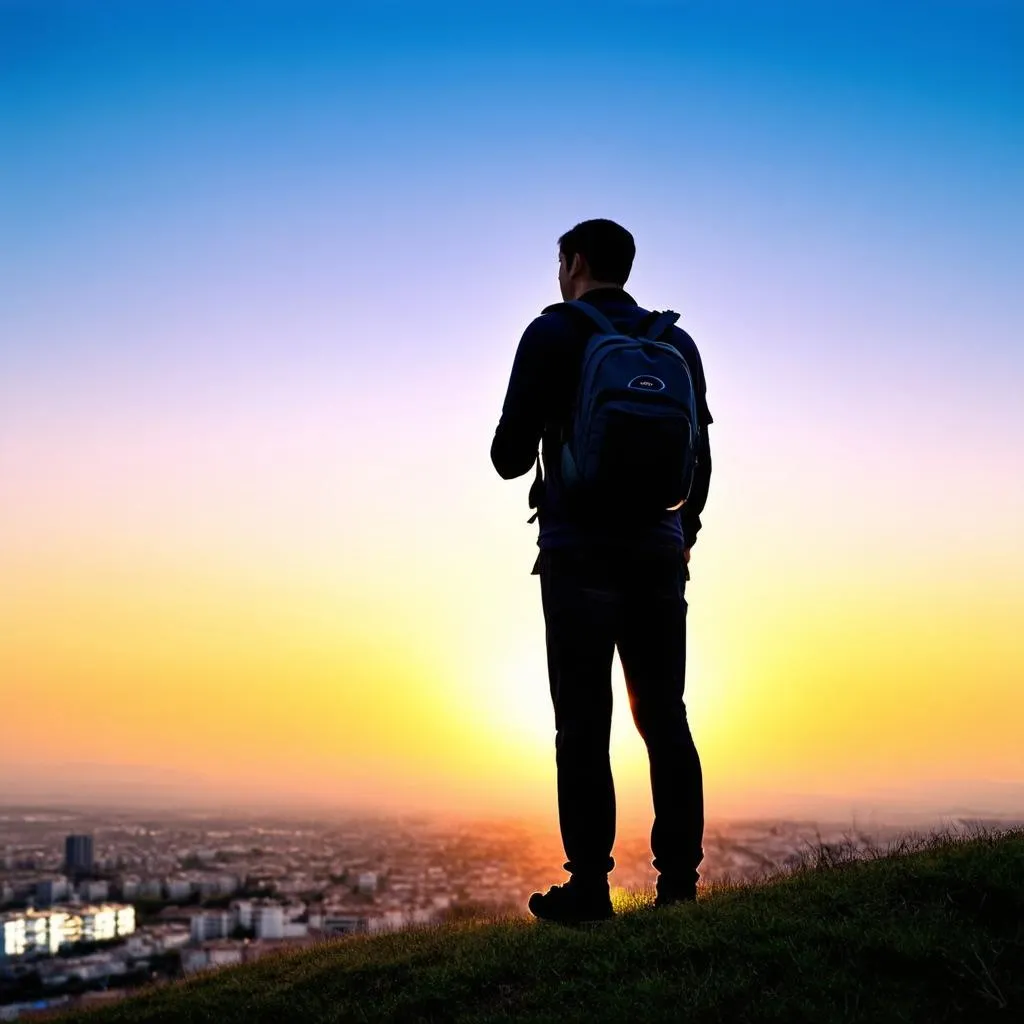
<point x="594" y="254"/>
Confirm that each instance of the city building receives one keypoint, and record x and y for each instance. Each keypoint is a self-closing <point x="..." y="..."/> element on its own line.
<point x="51" y="890"/>
<point x="78" y="856"/>
<point x="211" y="924"/>
<point x="94" y="891"/>
<point x="131" y="888"/>
<point x="268" y="921"/>
<point x="13" y="940"/>
<point x="99" y="924"/>
<point x="150" y="889"/>
<point x="178" y="888"/>
<point x="43" y="932"/>
<point x="242" y="909"/>
<point x="341" y="921"/>
<point x="218" y="885"/>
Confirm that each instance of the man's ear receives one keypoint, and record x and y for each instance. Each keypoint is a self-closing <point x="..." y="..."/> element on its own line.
<point x="578" y="267"/>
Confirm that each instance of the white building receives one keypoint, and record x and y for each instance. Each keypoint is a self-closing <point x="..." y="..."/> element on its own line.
<point x="218" y="885"/>
<point x="209" y="956"/>
<point x="58" y="931"/>
<point x="211" y="924"/>
<point x="125" y="919"/>
<point x="225" y="956"/>
<point x="373" y="922"/>
<point x="45" y="931"/>
<point x="367" y="881"/>
<point x="194" y="960"/>
<point x="52" y="890"/>
<point x="345" y="922"/>
<point x="99" y="924"/>
<point x="95" y="967"/>
<point x="25" y="932"/>
<point x="268" y="921"/>
<point x="151" y="889"/>
<point x="141" y="945"/>
<point x="94" y="891"/>
<point x="13" y="940"/>
<point x="178" y="888"/>
<point x="169" y="938"/>
<point x="242" y="909"/>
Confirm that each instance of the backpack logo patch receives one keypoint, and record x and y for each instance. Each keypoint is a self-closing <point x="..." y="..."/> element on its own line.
<point x="646" y="382"/>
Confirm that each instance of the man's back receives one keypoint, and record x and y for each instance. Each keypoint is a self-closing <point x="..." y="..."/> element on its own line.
<point x="539" y="405"/>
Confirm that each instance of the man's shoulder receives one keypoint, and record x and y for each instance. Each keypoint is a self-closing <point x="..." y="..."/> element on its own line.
<point x="555" y="322"/>
<point x="681" y="336"/>
<point x="568" y="320"/>
<point x="559" y="316"/>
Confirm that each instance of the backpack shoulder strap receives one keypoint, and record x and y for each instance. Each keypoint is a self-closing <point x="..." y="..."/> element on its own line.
<point x="661" y="324"/>
<point x="650" y="328"/>
<point x="594" y="315"/>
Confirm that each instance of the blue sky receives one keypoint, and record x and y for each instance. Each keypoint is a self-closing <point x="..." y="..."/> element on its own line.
<point x="214" y="208"/>
<point x="316" y="139"/>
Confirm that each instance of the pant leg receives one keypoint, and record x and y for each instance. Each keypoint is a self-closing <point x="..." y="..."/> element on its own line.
<point x="652" y="648"/>
<point x="579" y="616"/>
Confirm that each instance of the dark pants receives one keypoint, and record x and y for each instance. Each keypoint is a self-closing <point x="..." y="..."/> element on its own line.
<point x="593" y="604"/>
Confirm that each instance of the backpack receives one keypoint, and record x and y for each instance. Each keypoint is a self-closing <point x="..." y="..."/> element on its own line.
<point x="632" y="446"/>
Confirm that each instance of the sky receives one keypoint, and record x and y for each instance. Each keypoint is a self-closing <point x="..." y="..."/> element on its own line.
<point x="264" y="268"/>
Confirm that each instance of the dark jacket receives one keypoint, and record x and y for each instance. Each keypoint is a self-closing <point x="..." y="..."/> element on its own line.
<point x="538" y="409"/>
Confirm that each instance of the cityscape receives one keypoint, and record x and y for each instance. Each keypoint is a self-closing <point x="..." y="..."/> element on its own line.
<point x="94" y="905"/>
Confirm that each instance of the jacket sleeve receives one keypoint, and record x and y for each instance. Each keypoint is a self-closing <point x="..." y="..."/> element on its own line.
<point x="690" y="513"/>
<point x="517" y="437"/>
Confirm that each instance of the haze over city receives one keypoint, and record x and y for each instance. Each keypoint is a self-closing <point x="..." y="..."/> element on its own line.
<point x="265" y="269"/>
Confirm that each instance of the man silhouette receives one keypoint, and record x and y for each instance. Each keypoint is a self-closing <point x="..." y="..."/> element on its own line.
<point x="608" y="581"/>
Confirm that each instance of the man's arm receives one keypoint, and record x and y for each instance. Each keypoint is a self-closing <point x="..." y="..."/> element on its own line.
<point x="690" y="513"/>
<point x="514" y="448"/>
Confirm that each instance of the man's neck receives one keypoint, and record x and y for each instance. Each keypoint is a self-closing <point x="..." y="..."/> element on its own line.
<point x="592" y="286"/>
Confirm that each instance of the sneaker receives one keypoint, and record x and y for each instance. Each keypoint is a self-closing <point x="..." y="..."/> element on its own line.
<point x="573" y="903"/>
<point x="671" y="893"/>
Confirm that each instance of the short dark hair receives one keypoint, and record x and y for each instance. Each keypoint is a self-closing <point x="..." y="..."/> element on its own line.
<point x="607" y="247"/>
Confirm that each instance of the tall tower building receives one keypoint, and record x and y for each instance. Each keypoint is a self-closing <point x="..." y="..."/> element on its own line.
<point x="78" y="856"/>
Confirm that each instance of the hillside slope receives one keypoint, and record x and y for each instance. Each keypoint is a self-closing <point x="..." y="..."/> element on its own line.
<point x="934" y="935"/>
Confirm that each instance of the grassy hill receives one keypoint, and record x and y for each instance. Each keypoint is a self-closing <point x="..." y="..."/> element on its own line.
<point x="931" y="933"/>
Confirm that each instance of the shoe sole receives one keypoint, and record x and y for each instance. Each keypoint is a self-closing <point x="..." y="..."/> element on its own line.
<point x="552" y="919"/>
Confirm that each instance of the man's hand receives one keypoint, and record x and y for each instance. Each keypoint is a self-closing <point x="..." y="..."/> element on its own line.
<point x="686" y="555"/>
